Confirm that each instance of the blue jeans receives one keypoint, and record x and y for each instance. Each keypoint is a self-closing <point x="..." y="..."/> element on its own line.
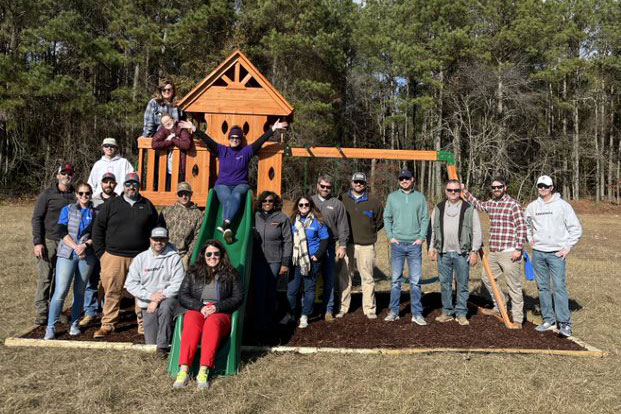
<point x="264" y="294"/>
<point x="328" y="272"/>
<point x="66" y="269"/>
<point x="550" y="268"/>
<point x="413" y="253"/>
<point x="92" y="291"/>
<point x="293" y="288"/>
<point x="447" y="262"/>
<point x="230" y="196"/>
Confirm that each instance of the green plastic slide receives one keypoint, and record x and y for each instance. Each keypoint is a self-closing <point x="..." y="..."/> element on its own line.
<point x="240" y="254"/>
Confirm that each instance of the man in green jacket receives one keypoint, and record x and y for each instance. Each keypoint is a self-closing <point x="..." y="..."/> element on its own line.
<point x="406" y="219"/>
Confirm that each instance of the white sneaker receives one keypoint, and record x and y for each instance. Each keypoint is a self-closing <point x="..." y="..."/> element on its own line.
<point x="75" y="329"/>
<point x="391" y="317"/>
<point x="303" y="321"/>
<point x="419" y="320"/>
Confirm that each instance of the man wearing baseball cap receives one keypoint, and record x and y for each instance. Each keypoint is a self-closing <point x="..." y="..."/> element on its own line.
<point x="365" y="215"/>
<point x="45" y="234"/>
<point x="121" y="231"/>
<point x="406" y="219"/>
<point x="154" y="278"/>
<point x="552" y="230"/>
<point x="110" y="162"/>
<point x="107" y="186"/>
<point x="183" y="220"/>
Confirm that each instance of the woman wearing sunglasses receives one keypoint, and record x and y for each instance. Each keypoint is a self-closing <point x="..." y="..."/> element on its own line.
<point x="273" y="248"/>
<point x="211" y="291"/>
<point x="75" y="258"/>
<point x="232" y="183"/>
<point x="164" y="101"/>
<point x="310" y="241"/>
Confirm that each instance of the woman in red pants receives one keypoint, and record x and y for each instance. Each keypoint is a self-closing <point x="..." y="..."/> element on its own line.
<point x="211" y="292"/>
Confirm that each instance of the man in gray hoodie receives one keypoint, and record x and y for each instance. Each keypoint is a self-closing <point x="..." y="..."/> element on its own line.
<point x="154" y="278"/>
<point x="552" y="230"/>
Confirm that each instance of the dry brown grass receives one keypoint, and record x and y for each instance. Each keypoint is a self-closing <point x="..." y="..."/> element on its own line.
<point x="65" y="381"/>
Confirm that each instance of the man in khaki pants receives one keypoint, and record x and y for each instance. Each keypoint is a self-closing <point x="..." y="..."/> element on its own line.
<point x="507" y="235"/>
<point x="121" y="231"/>
<point x="366" y="217"/>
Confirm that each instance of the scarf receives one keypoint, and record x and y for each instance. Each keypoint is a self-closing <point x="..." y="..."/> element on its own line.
<point x="301" y="257"/>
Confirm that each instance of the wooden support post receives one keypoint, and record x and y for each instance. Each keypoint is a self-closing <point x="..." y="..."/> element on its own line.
<point x="452" y="173"/>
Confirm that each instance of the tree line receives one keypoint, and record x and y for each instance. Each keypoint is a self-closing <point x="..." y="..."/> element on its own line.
<point x="512" y="88"/>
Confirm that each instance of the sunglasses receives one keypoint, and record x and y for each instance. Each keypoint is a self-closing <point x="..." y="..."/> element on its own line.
<point x="184" y="194"/>
<point x="234" y="137"/>
<point x="358" y="182"/>
<point x="268" y="200"/>
<point x="497" y="187"/>
<point x="453" y="190"/>
<point x="302" y="205"/>
<point x="214" y="254"/>
<point x="325" y="187"/>
<point x="167" y="90"/>
<point x="84" y="193"/>
<point x="404" y="178"/>
<point x="66" y="173"/>
<point x="109" y="146"/>
<point x="543" y="186"/>
<point x="131" y="184"/>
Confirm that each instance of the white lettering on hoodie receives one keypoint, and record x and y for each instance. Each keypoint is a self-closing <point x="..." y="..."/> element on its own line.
<point x="552" y="225"/>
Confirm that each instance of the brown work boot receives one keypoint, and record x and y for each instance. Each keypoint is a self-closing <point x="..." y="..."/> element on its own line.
<point x="491" y="312"/>
<point x="86" y="320"/>
<point x="104" y="331"/>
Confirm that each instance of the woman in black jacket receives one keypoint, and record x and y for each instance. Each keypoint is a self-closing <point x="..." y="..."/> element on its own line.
<point x="211" y="292"/>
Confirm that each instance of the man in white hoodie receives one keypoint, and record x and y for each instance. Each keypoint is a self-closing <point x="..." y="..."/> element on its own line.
<point x="154" y="278"/>
<point x="553" y="229"/>
<point x="110" y="162"/>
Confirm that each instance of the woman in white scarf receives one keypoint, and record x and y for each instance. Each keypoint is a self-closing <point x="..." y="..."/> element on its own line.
<point x="310" y="241"/>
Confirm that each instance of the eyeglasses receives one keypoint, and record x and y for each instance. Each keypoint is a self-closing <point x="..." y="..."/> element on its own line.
<point x="84" y="193"/>
<point x="167" y="90"/>
<point x="214" y="254"/>
<point x="302" y="205"/>
<point x="66" y="173"/>
<point x="358" y="182"/>
<point x="325" y="187"/>
<point x="184" y="194"/>
<point x="543" y="186"/>
<point x="131" y="184"/>
<point x="109" y="146"/>
<point x="404" y="178"/>
<point x="497" y="187"/>
<point x="268" y="200"/>
<point x="453" y="190"/>
<point x="234" y="137"/>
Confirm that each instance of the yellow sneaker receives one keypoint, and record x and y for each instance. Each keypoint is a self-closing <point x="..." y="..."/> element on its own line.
<point x="202" y="380"/>
<point x="182" y="380"/>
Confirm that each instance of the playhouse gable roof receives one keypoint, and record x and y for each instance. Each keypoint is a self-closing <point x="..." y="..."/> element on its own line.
<point x="236" y="87"/>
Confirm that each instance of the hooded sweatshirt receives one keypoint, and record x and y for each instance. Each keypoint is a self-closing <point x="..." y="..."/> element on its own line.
<point x="118" y="166"/>
<point x="552" y="225"/>
<point x="149" y="273"/>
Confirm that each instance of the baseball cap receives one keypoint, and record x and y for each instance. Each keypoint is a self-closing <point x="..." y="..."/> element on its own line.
<point x="545" y="179"/>
<point x="132" y="177"/>
<point x="359" y="176"/>
<point x="159" y="233"/>
<point x="183" y="186"/>
<point x="107" y="176"/>
<point x="405" y="174"/>
<point x="66" y="167"/>
<point x="109" y="141"/>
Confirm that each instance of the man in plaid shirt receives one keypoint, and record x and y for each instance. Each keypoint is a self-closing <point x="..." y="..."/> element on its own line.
<point x="507" y="234"/>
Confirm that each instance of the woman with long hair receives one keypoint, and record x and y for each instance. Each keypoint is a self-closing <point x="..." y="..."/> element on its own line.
<point x="164" y="101"/>
<point x="211" y="291"/>
<point x="75" y="258"/>
<point x="310" y="241"/>
<point x="273" y="249"/>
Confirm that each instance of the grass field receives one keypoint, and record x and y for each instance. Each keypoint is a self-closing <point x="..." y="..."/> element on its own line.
<point x="65" y="381"/>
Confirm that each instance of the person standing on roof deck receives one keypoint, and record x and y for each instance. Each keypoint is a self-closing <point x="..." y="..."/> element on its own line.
<point x="406" y="221"/>
<point x="232" y="182"/>
<point x="552" y="231"/>
<point x="335" y="216"/>
<point x="110" y="162"/>
<point x="365" y="214"/>
<point x="164" y="101"/>
<point x="45" y="235"/>
<point x="507" y="234"/>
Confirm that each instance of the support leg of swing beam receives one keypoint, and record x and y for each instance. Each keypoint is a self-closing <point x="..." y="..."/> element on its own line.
<point x="452" y="173"/>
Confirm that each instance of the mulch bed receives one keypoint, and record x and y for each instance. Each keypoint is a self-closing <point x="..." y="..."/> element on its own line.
<point x="356" y="331"/>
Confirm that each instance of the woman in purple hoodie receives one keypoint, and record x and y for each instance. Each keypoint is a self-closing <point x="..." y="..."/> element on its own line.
<point x="232" y="182"/>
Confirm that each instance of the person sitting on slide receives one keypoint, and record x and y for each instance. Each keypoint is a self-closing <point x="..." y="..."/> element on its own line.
<point x="232" y="182"/>
<point x="211" y="291"/>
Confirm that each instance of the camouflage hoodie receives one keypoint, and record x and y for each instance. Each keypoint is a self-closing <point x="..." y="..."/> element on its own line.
<point x="184" y="224"/>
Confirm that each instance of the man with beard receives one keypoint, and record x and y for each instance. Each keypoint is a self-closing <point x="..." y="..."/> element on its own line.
<point x="107" y="186"/>
<point x="45" y="235"/>
<point x="507" y="234"/>
<point x="121" y="231"/>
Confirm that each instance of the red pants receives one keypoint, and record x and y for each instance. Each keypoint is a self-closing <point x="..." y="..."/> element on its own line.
<point x="213" y="329"/>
